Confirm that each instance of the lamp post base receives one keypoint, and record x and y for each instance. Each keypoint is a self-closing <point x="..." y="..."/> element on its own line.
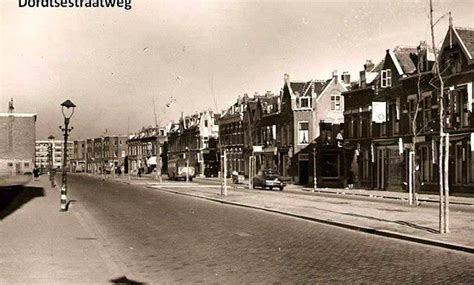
<point x="63" y="199"/>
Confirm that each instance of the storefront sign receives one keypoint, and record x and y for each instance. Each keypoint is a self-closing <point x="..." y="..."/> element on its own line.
<point x="257" y="148"/>
<point x="379" y="112"/>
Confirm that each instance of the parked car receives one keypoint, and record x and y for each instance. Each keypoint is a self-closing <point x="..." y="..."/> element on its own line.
<point x="268" y="178"/>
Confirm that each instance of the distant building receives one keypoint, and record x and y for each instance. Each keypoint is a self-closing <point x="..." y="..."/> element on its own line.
<point x="57" y="148"/>
<point x="146" y="148"/>
<point x="231" y="135"/>
<point x="78" y="161"/>
<point x="103" y="154"/>
<point x="196" y="136"/>
<point x="17" y="142"/>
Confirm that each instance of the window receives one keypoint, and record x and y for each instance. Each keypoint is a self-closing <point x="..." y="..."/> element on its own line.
<point x="303" y="132"/>
<point x="459" y="158"/>
<point x="426" y="166"/>
<point x="336" y="102"/>
<point x="305" y="102"/>
<point x="471" y="166"/>
<point x="386" y="78"/>
<point x="206" y="123"/>
<point x="365" y="163"/>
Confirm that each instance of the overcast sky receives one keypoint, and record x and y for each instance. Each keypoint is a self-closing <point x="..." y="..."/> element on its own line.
<point x="112" y="62"/>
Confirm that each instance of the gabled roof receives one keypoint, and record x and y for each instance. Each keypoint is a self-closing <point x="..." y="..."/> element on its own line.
<point x="402" y="60"/>
<point x="299" y="87"/>
<point x="466" y="36"/>
<point x="302" y="88"/>
<point x="378" y="67"/>
<point x="402" y="54"/>
<point x="320" y="85"/>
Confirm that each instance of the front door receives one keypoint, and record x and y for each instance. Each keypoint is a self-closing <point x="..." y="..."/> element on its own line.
<point x="18" y="168"/>
<point x="303" y="172"/>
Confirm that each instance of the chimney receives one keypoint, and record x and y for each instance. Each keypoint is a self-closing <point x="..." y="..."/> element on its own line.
<point x="368" y="66"/>
<point x="286" y="77"/>
<point x="346" y="77"/>
<point x="334" y="75"/>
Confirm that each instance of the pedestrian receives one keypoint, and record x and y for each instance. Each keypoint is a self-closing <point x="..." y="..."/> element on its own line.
<point x="350" y="180"/>
<point x="139" y="172"/>
<point x="418" y="184"/>
<point x="36" y="172"/>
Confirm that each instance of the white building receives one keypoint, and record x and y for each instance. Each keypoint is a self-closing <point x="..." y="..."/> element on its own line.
<point x="57" y="147"/>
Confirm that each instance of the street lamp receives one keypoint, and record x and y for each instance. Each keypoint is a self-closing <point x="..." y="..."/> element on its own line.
<point x="67" y="108"/>
<point x="187" y="163"/>
<point x="315" y="178"/>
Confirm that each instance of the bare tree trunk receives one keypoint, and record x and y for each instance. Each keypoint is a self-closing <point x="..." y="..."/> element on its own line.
<point x="443" y="174"/>
<point x="441" y="181"/>
<point x="446" y="184"/>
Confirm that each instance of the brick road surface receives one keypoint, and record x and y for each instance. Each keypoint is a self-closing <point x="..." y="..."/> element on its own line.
<point x="388" y="215"/>
<point x="161" y="238"/>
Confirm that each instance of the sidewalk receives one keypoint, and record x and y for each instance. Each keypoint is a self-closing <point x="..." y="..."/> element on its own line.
<point x="41" y="245"/>
<point x="386" y="213"/>
<point x="358" y="192"/>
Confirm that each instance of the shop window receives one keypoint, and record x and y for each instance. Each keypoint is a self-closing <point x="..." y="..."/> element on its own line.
<point x="330" y="165"/>
<point x="471" y="167"/>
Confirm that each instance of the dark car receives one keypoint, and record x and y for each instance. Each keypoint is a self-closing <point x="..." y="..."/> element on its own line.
<point x="268" y="178"/>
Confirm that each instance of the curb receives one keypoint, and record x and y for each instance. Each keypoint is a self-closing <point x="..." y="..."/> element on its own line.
<point x="305" y="189"/>
<point x="382" y="196"/>
<point x="368" y="230"/>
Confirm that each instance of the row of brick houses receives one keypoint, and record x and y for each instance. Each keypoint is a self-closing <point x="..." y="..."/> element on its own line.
<point x="380" y="112"/>
<point x="195" y="138"/>
<point x="279" y="131"/>
<point x="362" y="129"/>
<point x="331" y="128"/>
<point x="99" y="155"/>
<point x="147" y="149"/>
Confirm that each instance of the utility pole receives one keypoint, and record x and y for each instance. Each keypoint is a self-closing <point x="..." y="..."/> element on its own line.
<point x="187" y="164"/>
<point x="224" y="176"/>
<point x="443" y="165"/>
<point x="411" y="181"/>
<point x="315" y="178"/>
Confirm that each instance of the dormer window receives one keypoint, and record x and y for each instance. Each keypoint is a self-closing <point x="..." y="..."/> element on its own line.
<point x="386" y="78"/>
<point x="305" y="102"/>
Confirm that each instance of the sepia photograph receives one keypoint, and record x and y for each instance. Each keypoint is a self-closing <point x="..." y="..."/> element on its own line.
<point x="236" y="142"/>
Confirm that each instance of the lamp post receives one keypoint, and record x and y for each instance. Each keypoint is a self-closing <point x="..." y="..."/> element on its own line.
<point x="315" y="178"/>
<point x="67" y="108"/>
<point x="187" y="164"/>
